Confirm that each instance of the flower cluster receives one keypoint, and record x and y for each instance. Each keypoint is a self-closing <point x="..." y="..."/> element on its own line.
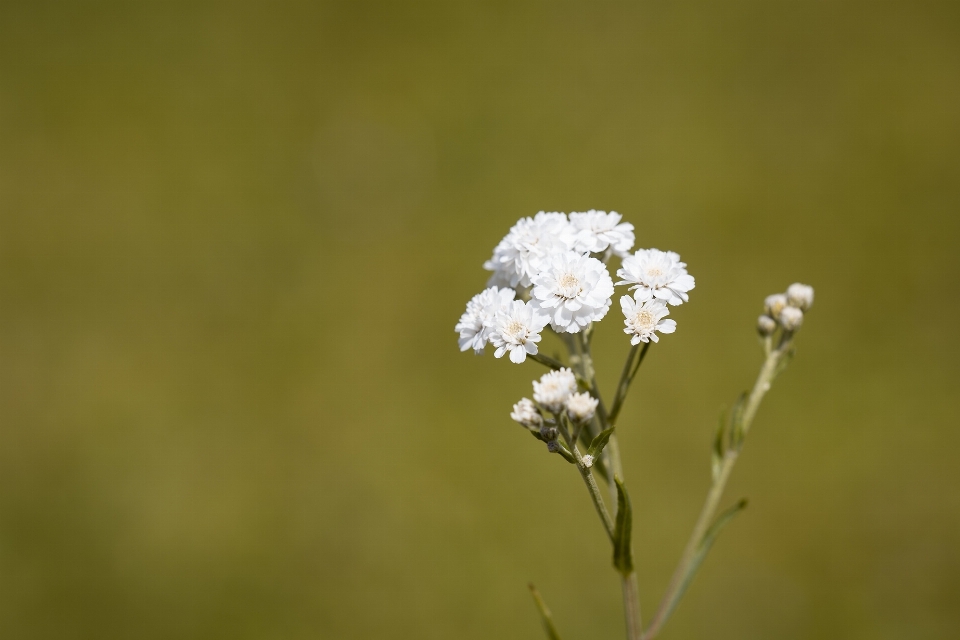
<point x="551" y="269"/>
<point x="555" y="393"/>
<point x="785" y="310"/>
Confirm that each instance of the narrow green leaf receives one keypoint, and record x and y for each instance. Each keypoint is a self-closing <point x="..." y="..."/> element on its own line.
<point x="736" y="421"/>
<point x="545" y="616"/>
<point x="596" y="447"/>
<point x="622" y="544"/>
<point x="708" y="539"/>
<point x="716" y="459"/>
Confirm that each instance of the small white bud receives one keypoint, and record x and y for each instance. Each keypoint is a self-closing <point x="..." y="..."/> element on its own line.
<point x="526" y="413"/>
<point x="581" y="407"/>
<point x="800" y="296"/>
<point x="774" y="304"/>
<point x="553" y="389"/>
<point x="791" y="318"/>
<point x="587" y="461"/>
<point x="766" y="325"/>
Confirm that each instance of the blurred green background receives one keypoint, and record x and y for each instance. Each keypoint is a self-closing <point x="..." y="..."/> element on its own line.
<point x="235" y="238"/>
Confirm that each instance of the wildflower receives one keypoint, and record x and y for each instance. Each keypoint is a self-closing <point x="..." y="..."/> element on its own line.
<point x="766" y="325"/>
<point x="643" y="319"/>
<point x="791" y="318"/>
<point x="598" y="230"/>
<point x="581" y="407"/>
<point x="476" y="324"/>
<point x="527" y="414"/>
<point x="517" y="329"/>
<point x="516" y="259"/>
<point x="575" y="288"/>
<point x="587" y="460"/>
<point x="655" y="274"/>
<point x="553" y="389"/>
<point x="800" y="296"/>
<point x="774" y="304"/>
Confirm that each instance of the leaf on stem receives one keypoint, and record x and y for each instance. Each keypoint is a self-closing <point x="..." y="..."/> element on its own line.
<point x="545" y="616"/>
<point x="596" y="447"/>
<point x="716" y="459"/>
<point x="708" y="539"/>
<point x="622" y="548"/>
<point x="736" y="421"/>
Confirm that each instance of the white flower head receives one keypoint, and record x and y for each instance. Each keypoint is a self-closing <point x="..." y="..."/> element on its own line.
<point x="476" y="324"/>
<point x="526" y="413"/>
<point x="516" y="260"/>
<point x="517" y="329"/>
<point x="655" y="274"/>
<point x="587" y="460"/>
<point x="643" y="319"/>
<point x="791" y="318"/>
<point x="575" y="289"/>
<point x="581" y="407"/>
<point x="774" y="304"/>
<point x="553" y="389"/>
<point x="599" y="230"/>
<point x="800" y="296"/>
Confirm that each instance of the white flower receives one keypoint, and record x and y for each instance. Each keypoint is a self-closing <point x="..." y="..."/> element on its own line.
<point x="643" y="319"/>
<point x="517" y="330"/>
<point x="581" y="407"/>
<point x="598" y="230"/>
<point x="553" y="389"/>
<point x="656" y="274"/>
<point x="791" y="318"/>
<point x="576" y="290"/>
<point x="526" y="413"/>
<point x="800" y="296"/>
<point x="587" y="460"/>
<point x="516" y="259"/>
<point x="476" y="324"/>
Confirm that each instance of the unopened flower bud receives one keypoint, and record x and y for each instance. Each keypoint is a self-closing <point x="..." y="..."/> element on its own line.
<point x="791" y="318"/>
<point x="553" y="446"/>
<point x="587" y="461"/>
<point x="800" y="296"/>
<point x="774" y="304"/>
<point x="766" y="325"/>
<point x="548" y="433"/>
<point x="581" y="407"/>
<point x="526" y="413"/>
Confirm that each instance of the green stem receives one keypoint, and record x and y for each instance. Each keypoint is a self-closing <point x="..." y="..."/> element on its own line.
<point x="631" y="607"/>
<point x="588" y="478"/>
<point x="546" y="361"/>
<point x="687" y="566"/>
<point x="611" y="458"/>
<point x="626" y="377"/>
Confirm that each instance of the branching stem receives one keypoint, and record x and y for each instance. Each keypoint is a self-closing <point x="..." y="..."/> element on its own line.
<point x="688" y="566"/>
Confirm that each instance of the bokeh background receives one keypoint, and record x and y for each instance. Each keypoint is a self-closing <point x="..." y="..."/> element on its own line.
<point x="235" y="238"/>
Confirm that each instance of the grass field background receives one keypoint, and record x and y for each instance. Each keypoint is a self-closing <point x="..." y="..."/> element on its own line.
<point x="235" y="238"/>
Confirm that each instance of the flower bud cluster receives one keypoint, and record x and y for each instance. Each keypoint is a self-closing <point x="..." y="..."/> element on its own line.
<point x="785" y="310"/>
